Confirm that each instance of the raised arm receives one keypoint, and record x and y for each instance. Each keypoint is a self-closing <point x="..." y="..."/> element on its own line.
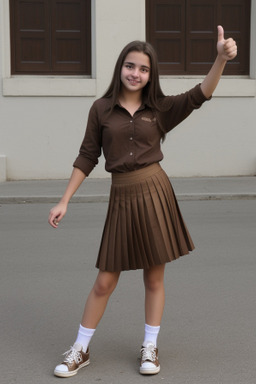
<point x="227" y="50"/>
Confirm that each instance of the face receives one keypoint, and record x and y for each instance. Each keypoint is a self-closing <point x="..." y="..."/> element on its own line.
<point x="135" y="71"/>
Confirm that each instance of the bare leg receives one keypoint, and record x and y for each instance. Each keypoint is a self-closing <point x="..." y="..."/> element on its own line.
<point x="95" y="306"/>
<point x="98" y="298"/>
<point x="154" y="294"/>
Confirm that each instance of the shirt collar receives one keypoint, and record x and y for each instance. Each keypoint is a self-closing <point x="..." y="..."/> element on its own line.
<point x="144" y="104"/>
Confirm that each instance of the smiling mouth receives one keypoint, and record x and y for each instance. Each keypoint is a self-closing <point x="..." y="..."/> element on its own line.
<point x="134" y="82"/>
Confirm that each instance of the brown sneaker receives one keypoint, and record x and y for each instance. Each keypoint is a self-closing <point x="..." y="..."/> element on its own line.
<point x="149" y="364"/>
<point x="75" y="359"/>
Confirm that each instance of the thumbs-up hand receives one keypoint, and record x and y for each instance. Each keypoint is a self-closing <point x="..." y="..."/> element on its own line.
<point x="227" y="49"/>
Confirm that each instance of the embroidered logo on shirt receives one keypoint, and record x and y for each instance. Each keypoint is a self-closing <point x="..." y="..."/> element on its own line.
<point x="148" y="119"/>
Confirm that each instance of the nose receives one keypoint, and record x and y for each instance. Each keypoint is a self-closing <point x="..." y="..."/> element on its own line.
<point x="135" y="72"/>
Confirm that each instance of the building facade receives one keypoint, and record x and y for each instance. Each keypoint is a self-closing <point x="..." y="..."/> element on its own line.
<point x="43" y="116"/>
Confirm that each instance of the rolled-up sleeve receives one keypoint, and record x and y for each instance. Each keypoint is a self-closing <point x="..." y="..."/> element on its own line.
<point x="174" y="109"/>
<point x="90" y="149"/>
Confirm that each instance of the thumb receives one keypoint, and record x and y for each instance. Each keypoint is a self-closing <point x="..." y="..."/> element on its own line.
<point x="220" y="33"/>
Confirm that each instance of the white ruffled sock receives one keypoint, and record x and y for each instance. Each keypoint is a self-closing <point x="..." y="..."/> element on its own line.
<point x="151" y="334"/>
<point x="84" y="336"/>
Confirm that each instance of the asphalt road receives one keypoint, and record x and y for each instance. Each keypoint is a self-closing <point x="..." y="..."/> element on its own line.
<point x="208" y="330"/>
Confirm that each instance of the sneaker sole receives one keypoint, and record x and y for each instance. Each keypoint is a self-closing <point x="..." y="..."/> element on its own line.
<point x="72" y="373"/>
<point x="152" y="371"/>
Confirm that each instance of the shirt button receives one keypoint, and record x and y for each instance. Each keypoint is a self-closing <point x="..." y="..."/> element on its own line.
<point x="131" y="121"/>
<point x="131" y="138"/>
<point x="131" y="153"/>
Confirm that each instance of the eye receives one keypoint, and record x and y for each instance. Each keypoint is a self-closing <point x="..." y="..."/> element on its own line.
<point x="129" y="66"/>
<point x="144" y="70"/>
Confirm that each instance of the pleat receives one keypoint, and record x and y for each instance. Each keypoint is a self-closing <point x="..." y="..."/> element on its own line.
<point x="144" y="226"/>
<point x="144" y="254"/>
<point x="181" y="234"/>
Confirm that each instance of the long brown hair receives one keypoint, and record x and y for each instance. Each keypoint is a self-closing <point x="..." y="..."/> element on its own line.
<point x="152" y="92"/>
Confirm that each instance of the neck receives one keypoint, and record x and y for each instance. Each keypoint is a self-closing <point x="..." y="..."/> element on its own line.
<point x="131" y="101"/>
<point x="130" y="97"/>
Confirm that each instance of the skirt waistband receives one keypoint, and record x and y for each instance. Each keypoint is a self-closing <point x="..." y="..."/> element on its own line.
<point x="135" y="176"/>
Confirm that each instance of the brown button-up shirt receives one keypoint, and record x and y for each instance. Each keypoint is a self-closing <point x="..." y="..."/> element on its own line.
<point x="132" y="142"/>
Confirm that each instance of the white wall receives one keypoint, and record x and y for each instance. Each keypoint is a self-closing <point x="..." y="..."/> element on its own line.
<point x="40" y="135"/>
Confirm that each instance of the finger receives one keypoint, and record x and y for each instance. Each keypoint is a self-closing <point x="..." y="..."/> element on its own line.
<point x="229" y="42"/>
<point x="230" y="48"/>
<point x="232" y="54"/>
<point x="53" y="223"/>
<point x="56" y="222"/>
<point x="220" y="33"/>
<point x="53" y="220"/>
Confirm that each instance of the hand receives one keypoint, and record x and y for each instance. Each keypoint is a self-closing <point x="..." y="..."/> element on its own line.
<point x="56" y="214"/>
<point x="227" y="49"/>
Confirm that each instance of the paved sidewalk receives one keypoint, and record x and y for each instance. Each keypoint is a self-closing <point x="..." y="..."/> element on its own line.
<point x="97" y="190"/>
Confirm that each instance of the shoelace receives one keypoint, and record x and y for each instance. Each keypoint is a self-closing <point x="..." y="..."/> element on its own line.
<point x="72" y="355"/>
<point x="148" y="353"/>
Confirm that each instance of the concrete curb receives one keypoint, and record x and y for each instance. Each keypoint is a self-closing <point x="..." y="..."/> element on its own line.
<point x="97" y="190"/>
<point x="105" y="197"/>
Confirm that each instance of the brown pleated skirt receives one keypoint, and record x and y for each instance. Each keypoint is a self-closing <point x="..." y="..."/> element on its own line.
<point x="144" y="226"/>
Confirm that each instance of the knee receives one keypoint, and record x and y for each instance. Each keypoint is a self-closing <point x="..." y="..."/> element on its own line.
<point x="105" y="285"/>
<point x="153" y="284"/>
<point x="154" y="279"/>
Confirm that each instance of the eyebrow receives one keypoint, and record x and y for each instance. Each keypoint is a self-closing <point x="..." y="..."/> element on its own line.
<point x="142" y="66"/>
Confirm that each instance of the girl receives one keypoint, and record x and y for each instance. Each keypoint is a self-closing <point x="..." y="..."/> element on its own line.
<point x="144" y="228"/>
